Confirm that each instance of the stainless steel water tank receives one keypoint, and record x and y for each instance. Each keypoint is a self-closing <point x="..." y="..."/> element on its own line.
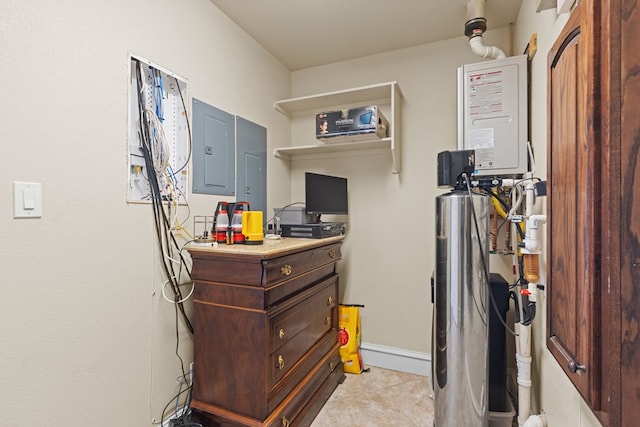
<point x="461" y="303"/>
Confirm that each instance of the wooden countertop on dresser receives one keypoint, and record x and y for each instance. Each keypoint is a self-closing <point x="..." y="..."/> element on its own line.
<point x="269" y="249"/>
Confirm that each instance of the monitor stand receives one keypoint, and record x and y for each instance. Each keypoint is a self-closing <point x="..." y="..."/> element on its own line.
<point x="317" y="219"/>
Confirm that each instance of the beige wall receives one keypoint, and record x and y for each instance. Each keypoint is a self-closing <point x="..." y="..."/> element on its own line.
<point x="389" y="251"/>
<point x="86" y="338"/>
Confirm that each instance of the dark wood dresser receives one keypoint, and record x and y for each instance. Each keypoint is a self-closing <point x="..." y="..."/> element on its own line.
<point x="265" y="332"/>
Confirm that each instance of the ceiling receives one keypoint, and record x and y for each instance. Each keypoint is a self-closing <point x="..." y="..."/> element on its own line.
<point x="306" y="33"/>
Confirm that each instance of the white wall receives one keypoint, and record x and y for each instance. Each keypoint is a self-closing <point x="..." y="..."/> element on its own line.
<point x="389" y="251"/>
<point x="86" y="338"/>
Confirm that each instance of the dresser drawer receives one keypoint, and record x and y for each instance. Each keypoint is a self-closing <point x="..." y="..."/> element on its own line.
<point x="288" y="382"/>
<point x="315" y="312"/>
<point x="327" y="373"/>
<point x="305" y="401"/>
<point x="279" y="269"/>
<point x="259" y="298"/>
<point x="263" y="269"/>
<point x="288" y="356"/>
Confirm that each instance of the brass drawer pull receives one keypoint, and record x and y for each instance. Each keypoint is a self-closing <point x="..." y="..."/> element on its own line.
<point x="327" y="320"/>
<point x="330" y="301"/>
<point x="285" y="422"/>
<point x="280" y="362"/>
<point x="332" y="253"/>
<point x="281" y="334"/>
<point x="332" y="366"/>
<point x="286" y="269"/>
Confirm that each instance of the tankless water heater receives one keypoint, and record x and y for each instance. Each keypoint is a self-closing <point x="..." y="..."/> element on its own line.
<point x="492" y="115"/>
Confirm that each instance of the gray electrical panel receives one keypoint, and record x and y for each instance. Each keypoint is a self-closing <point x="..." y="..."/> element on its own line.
<point x="251" y="147"/>
<point x="213" y="161"/>
<point x="492" y="115"/>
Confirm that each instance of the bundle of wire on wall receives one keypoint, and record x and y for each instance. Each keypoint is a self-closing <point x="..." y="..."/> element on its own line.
<point x="164" y="194"/>
<point x="181" y="415"/>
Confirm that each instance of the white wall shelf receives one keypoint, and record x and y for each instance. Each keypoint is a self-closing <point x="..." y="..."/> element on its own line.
<point x="546" y="4"/>
<point x="382" y="93"/>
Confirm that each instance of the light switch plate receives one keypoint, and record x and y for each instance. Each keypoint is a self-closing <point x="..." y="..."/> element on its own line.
<point x="27" y="199"/>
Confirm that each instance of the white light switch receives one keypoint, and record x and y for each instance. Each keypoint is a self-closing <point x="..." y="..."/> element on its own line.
<point x="27" y="200"/>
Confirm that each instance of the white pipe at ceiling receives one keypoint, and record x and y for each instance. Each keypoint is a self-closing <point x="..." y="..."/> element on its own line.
<point x="478" y="48"/>
<point x="475" y="9"/>
<point x="475" y="27"/>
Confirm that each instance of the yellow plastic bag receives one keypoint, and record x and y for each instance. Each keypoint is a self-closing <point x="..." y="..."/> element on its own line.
<point x="349" y="337"/>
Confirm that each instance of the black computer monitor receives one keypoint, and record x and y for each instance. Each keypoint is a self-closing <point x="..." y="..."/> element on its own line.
<point x="325" y="194"/>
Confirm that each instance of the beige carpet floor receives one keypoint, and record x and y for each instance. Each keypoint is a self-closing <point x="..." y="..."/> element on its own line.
<point x="380" y="397"/>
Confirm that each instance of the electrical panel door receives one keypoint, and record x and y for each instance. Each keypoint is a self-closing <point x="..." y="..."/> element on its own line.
<point x="213" y="150"/>
<point x="251" y="147"/>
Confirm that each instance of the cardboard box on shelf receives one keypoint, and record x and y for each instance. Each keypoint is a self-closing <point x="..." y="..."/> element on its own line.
<point x="351" y="124"/>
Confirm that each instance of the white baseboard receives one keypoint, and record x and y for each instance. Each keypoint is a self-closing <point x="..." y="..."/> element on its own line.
<point x="397" y="359"/>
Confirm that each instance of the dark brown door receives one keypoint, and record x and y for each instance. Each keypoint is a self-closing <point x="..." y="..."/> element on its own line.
<point x="629" y="216"/>
<point x="573" y="233"/>
<point x="594" y="170"/>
